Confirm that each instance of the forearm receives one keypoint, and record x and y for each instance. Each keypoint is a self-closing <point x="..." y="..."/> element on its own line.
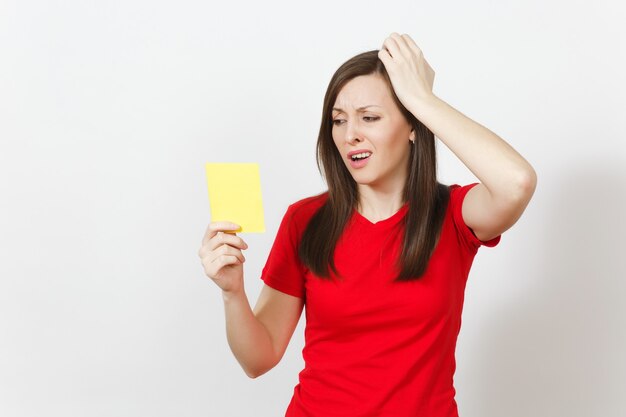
<point x="248" y="339"/>
<point x="503" y="171"/>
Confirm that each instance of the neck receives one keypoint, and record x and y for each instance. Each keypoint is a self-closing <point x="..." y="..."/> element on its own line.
<point x="377" y="205"/>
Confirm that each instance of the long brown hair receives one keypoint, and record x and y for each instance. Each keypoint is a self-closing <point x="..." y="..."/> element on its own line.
<point x="427" y="198"/>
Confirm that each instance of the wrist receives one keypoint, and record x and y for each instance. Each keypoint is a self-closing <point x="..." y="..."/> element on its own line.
<point x="233" y="295"/>
<point x="419" y="105"/>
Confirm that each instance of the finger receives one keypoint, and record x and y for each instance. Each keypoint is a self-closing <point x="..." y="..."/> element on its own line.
<point x="226" y="250"/>
<point x="392" y="47"/>
<point x="213" y="268"/>
<point x="384" y="56"/>
<point x="403" y="47"/>
<point x="215" y="227"/>
<point x="411" y="44"/>
<point x="222" y="238"/>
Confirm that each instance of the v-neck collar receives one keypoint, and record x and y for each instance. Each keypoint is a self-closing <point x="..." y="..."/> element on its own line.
<point x="388" y="222"/>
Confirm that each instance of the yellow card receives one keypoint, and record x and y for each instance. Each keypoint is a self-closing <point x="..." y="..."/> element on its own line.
<point x="235" y="195"/>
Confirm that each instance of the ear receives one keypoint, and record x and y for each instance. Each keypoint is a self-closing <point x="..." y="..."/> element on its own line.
<point x="412" y="135"/>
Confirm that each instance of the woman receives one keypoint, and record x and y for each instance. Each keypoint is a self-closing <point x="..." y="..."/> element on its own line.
<point x="383" y="306"/>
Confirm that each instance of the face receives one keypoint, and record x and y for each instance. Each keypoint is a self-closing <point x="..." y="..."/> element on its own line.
<point x="366" y="118"/>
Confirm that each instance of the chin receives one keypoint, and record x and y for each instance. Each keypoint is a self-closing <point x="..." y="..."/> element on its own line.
<point x="362" y="180"/>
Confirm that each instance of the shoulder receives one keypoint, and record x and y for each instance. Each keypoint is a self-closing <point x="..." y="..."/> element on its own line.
<point x="457" y="192"/>
<point x="455" y="208"/>
<point x="298" y="215"/>
<point x="304" y="209"/>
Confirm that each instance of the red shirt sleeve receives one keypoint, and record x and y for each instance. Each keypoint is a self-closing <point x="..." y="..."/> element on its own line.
<point x="457" y="195"/>
<point x="283" y="270"/>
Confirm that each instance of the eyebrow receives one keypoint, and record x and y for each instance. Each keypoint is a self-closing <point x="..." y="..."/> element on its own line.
<point x="359" y="109"/>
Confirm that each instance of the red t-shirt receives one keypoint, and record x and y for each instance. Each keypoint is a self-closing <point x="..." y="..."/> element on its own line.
<point x="374" y="347"/>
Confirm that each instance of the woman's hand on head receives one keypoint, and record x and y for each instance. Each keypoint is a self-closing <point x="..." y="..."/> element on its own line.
<point x="221" y="256"/>
<point x="409" y="72"/>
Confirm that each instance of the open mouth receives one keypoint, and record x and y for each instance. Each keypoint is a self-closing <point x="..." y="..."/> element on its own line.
<point x="360" y="156"/>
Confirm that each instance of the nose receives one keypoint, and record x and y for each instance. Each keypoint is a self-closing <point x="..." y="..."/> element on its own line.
<point x="353" y="134"/>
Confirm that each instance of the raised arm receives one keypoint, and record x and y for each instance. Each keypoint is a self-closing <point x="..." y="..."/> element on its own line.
<point x="508" y="181"/>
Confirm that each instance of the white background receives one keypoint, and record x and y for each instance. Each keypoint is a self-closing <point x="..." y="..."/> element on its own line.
<point x="109" y="110"/>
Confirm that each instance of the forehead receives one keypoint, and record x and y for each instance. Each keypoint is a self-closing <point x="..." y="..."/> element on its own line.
<point x="362" y="91"/>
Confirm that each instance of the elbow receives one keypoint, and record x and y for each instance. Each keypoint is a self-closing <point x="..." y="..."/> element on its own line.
<point x="523" y="186"/>
<point x="527" y="183"/>
<point x="260" y="368"/>
<point x="252" y="375"/>
<point x="255" y="373"/>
